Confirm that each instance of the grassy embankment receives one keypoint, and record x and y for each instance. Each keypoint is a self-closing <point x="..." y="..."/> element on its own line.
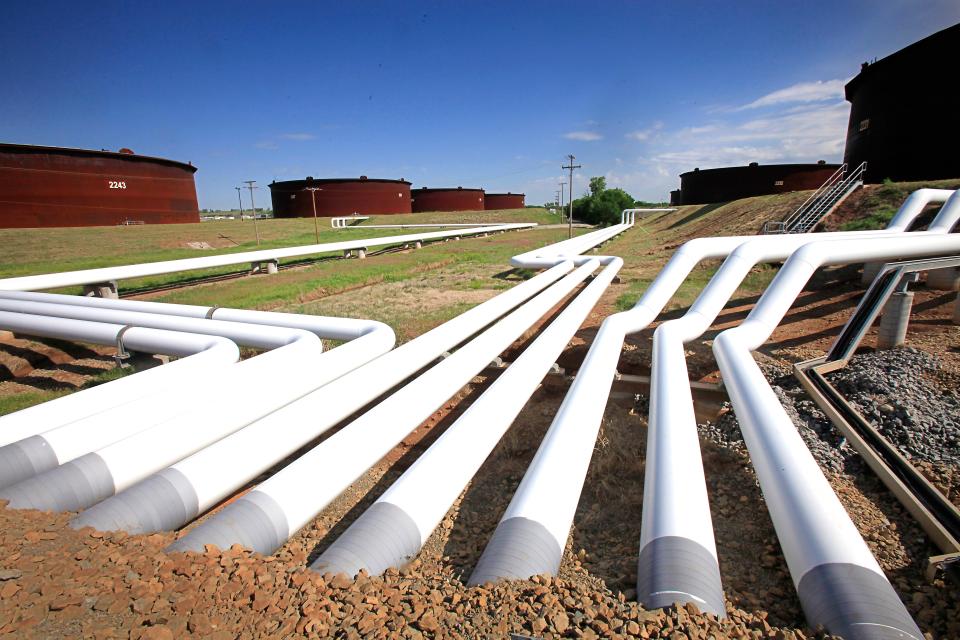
<point x="416" y="290"/>
<point x="33" y="251"/>
<point x="873" y="206"/>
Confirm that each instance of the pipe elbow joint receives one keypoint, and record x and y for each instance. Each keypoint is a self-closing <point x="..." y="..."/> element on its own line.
<point x="384" y="333"/>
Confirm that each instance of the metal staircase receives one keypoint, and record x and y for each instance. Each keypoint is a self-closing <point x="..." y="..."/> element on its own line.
<point x="821" y="203"/>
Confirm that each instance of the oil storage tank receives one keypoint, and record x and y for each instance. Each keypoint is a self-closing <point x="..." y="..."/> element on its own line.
<point x="722" y="184"/>
<point x="507" y="200"/>
<point x="63" y="187"/>
<point x="447" y="199"/>
<point x="339" y="197"/>
<point x="903" y="112"/>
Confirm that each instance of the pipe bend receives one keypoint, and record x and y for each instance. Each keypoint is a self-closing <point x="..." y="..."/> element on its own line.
<point x="684" y="329"/>
<point x="947" y="217"/>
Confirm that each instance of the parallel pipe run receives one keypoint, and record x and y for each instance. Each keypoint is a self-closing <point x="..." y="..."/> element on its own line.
<point x="550" y="490"/>
<point x="175" y="496"/>
<point x="664" y="573"/>
<point x="675" y="499"/>
<point x="183" y="373"/>
<point x="267" y="516"/>
<point x="70" y="436"/>
<point x="676" y="523"/>
<point x="28" y="453"/>
<point x="303" y="367"/>
<point x="571" y="249"/>
<point x="839" y="582"/>
<point x="107" y="274"/>
<point x="95" y="420"/>
<point x="393" y="530"/>
<point x="676" y="512"/>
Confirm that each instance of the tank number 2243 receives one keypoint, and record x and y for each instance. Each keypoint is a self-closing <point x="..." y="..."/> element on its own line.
<point x="117" y="185"/>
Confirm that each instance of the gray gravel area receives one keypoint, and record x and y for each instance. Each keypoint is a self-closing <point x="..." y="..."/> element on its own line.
<point x="897" y="390"/>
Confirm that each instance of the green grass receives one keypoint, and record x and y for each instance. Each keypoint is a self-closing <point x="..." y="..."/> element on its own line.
<point x="36" y="251"/>
<point x="880" y="203"/>
<point x="292" y="288"/>
<point x="12" y="403"/>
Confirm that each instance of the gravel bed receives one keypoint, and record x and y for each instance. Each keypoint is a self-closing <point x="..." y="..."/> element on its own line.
<point x="828" y="447"/>
<point x="899" y="393"/>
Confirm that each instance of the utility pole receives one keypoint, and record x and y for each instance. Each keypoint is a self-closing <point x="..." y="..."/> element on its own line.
<point x="562" y="185"/>
<point x="313" y="199"/>
<point x="240" y="200"/>
<point x="571" y="166"/>
<point x="250" y="185"/>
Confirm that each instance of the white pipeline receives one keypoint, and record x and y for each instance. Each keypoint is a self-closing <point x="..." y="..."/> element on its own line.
<point x="176" y="495"/>
<point x="280" y="376"/>
<point x="267" y="516"/>
<point x="25" y="453"/>
<point x="392" y="531"/>
<point x="550" y="491"/>
<point x="108" y="274"/>
<point x="831" y="565"/>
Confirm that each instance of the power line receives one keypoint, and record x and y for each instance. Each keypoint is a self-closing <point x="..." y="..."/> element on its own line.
<point x="571" y="166"/>
<point x="240" y="200"/>
<point x="250" y="185"/>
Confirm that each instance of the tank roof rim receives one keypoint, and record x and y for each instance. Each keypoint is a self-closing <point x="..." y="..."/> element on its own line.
<point x="13" y="146"/>
<point x="795" y="165"/>
<point x="336" y="180"/>
<point x="450" y="189"/>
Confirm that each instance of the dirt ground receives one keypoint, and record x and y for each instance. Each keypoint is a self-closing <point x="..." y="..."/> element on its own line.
<point x="56" y="582"/>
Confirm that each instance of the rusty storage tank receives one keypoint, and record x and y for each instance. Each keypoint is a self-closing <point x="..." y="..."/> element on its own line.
<point x="732" y="183"/>
<point x="903" y="112"/>
<point x="448" y="199"/>
<point x="62" y="187"/>
<point x="339" y="197"/>
<point x="507" y="200"/>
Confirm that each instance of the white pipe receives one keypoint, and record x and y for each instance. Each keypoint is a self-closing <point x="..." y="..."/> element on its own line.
<point x="340" y="222"/>
<point x="79" y="435"/>
<point x="629" y="216"/>
<point x="545" y="257"/>
<point x="106" y="274"/>
<point x="830" y="564"/>
<point x="27" y="453"/>
<point x="550" y="490"/>
<point x="392" y="531"/>
<point x="914" y="205"/>
<point x="262" y="329"/>
<point x="267" y="516"/>
<point x="73" y="435"/>
<point x="676" y="524"/>
<point x="210" y="475"/>
<point x="281" y="376"/>
<point x="258" y="336"/>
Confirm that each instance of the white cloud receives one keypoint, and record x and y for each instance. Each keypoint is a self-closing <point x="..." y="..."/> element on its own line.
<point x="300" y="137"/>
<point x="787" y="134"/>
<point x="818" y="91"/>
<point x="642" y="135"/>
<point x="583" y="136"/>
<point x="267" y="144"/>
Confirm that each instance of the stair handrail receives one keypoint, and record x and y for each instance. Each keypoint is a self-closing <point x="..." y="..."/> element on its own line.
<point x="829" y="199"/>
<point x="829" y="183"/>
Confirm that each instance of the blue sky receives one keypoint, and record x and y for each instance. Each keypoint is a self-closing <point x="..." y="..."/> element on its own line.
<point x="490" y="94"/>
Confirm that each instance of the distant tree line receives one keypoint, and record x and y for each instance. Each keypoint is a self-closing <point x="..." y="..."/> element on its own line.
<point x="603" y="206"/>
